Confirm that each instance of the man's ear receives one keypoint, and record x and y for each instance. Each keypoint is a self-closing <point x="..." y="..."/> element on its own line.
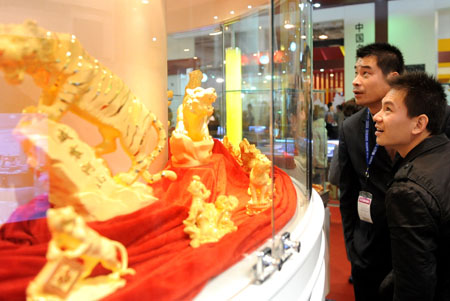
<point x="421" y="124"/>
<point x="392" y="74"/>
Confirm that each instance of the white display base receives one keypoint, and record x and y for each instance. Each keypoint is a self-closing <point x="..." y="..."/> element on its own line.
<point x="302" y="276"/>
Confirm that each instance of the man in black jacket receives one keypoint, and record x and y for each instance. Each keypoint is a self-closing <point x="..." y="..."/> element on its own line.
<point x="366" y="170"/>
<point x="418" y="200"/>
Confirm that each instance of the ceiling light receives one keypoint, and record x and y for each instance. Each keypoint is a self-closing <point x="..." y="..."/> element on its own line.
<point x="195" y="58"/>
<point x="249" y="6"/>
<point x="316" y="5"/>
<point x="216" y="17"/>
<point x="215" y="33"/>
<point x="219" y="80"/>
<point x="186" y="49"/>
<point x="288" y="26"/>
<point x="331" y="75"/>
<point x="323" y="37"/>
<point x="303" y="37"/>
<point x="232" y="12"/>
<point x="154" y="39"/>
<point x="264" y="59"/>
<point x="259" y="27"/>
<point x="293" y="46"/>
<point x="322" y="70"/>
<point x="144" y="1"/>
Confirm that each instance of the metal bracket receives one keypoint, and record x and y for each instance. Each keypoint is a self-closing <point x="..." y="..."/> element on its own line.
<point x="268" y="260"/>
<point x="288" y="246"/>
<point x="266" y="265"/>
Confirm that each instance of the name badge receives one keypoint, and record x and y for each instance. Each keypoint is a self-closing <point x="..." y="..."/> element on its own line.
<point x="364" y="202"/>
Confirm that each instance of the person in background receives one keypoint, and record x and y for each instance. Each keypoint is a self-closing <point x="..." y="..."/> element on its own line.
<point x="348" y="108"/>
<point x="418" y="200"/>
<point x="366" y="170"/>
<point x="320" y="145"/>
<point x="331" y="124"/>
<point x="339" y="115"/>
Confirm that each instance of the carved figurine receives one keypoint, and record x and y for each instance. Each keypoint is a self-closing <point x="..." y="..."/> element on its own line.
<point x="234" y="151"/>
<point x="72" y="80"/>
<point x="190" y="143"/>
<point x="208" y="222"/>
<point x="78" y="177"/>
<point x="73" y="252"/>
<point x="260" y="185"/>
<point x="249" y="153"/>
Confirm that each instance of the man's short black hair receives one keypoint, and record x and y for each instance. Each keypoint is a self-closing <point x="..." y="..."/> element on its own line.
<point x="424" y="95"/>
<point x="389" y="58"/>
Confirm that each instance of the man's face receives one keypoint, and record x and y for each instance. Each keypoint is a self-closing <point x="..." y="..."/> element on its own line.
<point x="370" y="85"/>
<point x="394" y="127"/>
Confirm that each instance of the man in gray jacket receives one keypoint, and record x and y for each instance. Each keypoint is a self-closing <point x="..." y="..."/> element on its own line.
<point x="418" y="200"/>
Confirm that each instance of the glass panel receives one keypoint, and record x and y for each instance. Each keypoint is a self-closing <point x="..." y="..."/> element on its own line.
<point x="260" y="66"/>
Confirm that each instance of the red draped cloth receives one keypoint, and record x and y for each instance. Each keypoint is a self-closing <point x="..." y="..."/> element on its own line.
<point x="167" y="267"/>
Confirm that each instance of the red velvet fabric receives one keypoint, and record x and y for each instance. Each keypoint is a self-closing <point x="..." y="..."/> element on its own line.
<point x="167" y="268"/>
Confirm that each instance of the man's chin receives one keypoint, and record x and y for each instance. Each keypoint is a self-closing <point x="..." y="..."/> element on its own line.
<point x="380" y="141"/>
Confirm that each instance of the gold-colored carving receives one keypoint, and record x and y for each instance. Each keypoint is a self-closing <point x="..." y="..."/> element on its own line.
<point x="208" y="222"/>
<point x="73" y="252"/>
<point x="260" y="185"/>
<point x="233" y="150"/>
<point x="249" y="154"/>
<point x="190" y="143"/>
<point x="72" y="80"/>
<point x="85" y="183"/>
<point x="245" y="155"/>
<point x="259" y="167"/>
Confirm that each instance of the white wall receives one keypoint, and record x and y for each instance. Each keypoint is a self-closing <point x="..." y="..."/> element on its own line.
<point x="412" y="29"/>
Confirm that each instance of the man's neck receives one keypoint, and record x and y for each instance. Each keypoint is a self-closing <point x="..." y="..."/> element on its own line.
<point x="404" y="150"/>
<point x="391" y="152"/>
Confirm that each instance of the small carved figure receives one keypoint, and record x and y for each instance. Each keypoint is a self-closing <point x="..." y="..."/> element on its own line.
<point x="208" y="222"/>
<point x="249" y="153"/>
<point x="72" y="80"/>
<point x="191" y="143"/>
<point x="234" y="151"/>
<point x="260" y="185"/>
<point x="73" y="252"/>
<point x="193" y="114"/>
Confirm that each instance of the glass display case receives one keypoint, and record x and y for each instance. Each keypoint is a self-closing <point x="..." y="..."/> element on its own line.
<point x="169" y="145"/>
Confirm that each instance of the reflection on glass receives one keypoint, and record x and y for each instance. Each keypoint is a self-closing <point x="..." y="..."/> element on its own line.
<point x="19" y="184"/>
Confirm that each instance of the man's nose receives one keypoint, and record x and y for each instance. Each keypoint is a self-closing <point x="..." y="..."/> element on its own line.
<point x="377" y="116"/>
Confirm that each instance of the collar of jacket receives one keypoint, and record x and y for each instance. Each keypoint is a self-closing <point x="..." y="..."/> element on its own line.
<point x="429" y="143"/>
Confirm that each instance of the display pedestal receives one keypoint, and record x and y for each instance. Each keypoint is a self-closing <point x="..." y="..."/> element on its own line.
<point x="302" y="277"/>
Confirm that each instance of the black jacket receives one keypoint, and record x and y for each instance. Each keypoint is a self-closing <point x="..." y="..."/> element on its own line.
<point x="418" y="213"/>
<point x="368" y="245"/>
